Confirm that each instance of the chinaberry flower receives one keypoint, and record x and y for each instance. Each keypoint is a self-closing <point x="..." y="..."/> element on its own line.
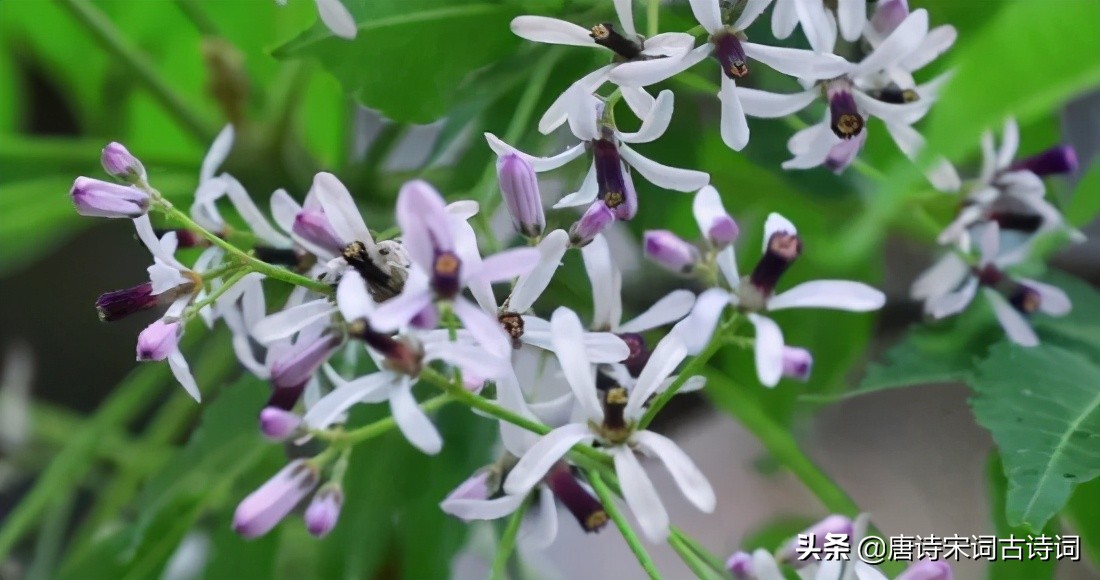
<point x="947" y="289"/>
<point x="628" y="48"/>
<point x="96" y="198"/>
<point x="294" y="364"/>
<point x="755" y="295"/>
<point x="119" y="163"/>
<point x="335" y="16"/>
<point x="519" y="186"/>
<point x="670" y="251"/>
<point x="264" y="508"/>
<point x="160" y="341"/>
<point x="819" y="22"/>
<point x="728" y="45"/>
<point x="610" y="417"/>
<point x="324" y="510"/>
<point x="278" y="424"/>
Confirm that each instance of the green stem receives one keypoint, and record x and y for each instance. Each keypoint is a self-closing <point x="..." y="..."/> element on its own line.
<point x="711" y="560"/>
<point x="693" y="368"/>
<point x="213" y="296"/>
<point x="382" y="426"/>
<point x="652" y="16"/>
<point x="252" y="262"/>
<point x="632" y="540"/>
<point x="508" y="543"/>
<point x="691" y="559"/>
<point x="115" y="42"/>
<point x="198" y="17"/>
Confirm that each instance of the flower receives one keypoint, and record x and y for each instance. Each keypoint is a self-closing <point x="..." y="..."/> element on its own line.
<point x="96" y="198"/>
<point x="324" y="510"/>
<point x="818" y="23"/>
<point x="293" y="366"/>
<point x="610" y="417"/>
<point x="670" y="251"/>
<point x="278" y="424"/>
<point x="629" y="48"/>
<point x="755" y="294"/>
<point x="728" y="46"/>
<point x="119" y="163"/>
<point x="519" y="186"/>
<point x="336" y="17"/>
<point x="949" y="286"/>
<point x="160" y="341"/>
<point x="258" y="513"/>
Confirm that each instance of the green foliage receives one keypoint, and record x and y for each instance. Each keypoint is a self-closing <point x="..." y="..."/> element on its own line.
<point x="1027" y="568"/>
<point x="1083" y="513"/>
<point x="1085" y="203"/>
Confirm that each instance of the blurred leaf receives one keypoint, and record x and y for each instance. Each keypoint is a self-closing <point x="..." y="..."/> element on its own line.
<point x="773" y="534"/>
<point x="1083" y="511"/>
<point x="1024" y="569"/>
<point x="40" y="217"/>
<point x="1080" y="329"/>
<point x="1043" y="409"/>
<point x="378" y="68"/>
<point x="1085" y="203"/>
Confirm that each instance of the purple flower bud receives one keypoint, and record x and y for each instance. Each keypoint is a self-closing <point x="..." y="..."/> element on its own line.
<point x="324" y="510"/>
<point x="597" y="217"/>
<point x="258" y="513"/>
<point x="520" y="188"/>
<point x="158" y="340"/>
<point x="96" y="198"/>
<point x="121" y="164"/>
<point x="313" y="226"/>
<point x="927" y="570"/>
<point x="291" y="372"/>
<point x="614" y="186"/>
<point x="730" y="54"/>
<point x="845" y="120"/>
<point x="723" y="231"/>
<point x="834" y="524"/>
<point x="277" y="424"/>
<point x="740" y="565"/>
<point x="119" y="304"/>
<point x="668" y="250"/>
<point x="1056" y="160"/>
<point x="588" y="510"/>
<point x="889" y="15"/>
<point x="797" y="363"/>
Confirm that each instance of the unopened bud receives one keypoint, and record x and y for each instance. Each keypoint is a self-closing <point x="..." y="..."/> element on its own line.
<point x="278" y="424"/>
<point x="1056" y="160"/>
<point x="797" y="363"/>
<point x="670" y="251"/>
<point x="595" y="219"/>
<point x="324" y="510"/>
<point x="119" y="163"/>
<point x="520" y="188"/>
<point x="96" y="198"/>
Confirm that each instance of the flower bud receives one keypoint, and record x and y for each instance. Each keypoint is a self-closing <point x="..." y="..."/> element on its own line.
<point x="277" y="424"/>
<point x="119" y="304"/>
<point x="291" y="372"/>
<point x="597" y="217"/>
<point x="119" y="163"/>
<point x="158" y="340"/>
<point x="258" y="513"/>
<point x="520" y="188"/>
<point x="668" y="250"/>
<point x="889" y="15"/>
<point x="927" y="570"/>
<point x="723" y="231"/>
<point x="740" y="565"/>
<point x="588" y="510"/>
<point x="96" y="198"/>
<point x="797" y="363"/>
<point x="324" y="510"/>
<point x="1056" y="160"/>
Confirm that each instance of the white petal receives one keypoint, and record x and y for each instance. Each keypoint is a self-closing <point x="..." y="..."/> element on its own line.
<point x="905" y="39"/>
<point x="337" y="18"/>
<point x="639" y="101"/>
<point x="817" y="24"/>
<point x="707" y="207"/>
<point x="352" y="297"/>
<point x="691" y="384"/>
<point x="654" y="123"/>
<point x="692" y="483"/>
<point x="1010" y="142"/>
<point x="708" y="13"/>
<point x="810" y="146"/>
<point x="539" y="164"/>
<point x="1014" y="324"/>
<point x="764" y="566"/>
<point x="797" y="62"/>
<point x="834" y="294"/>
<point x="727" y="263"/>
<point x="696" y="330"/>
<point x="734" y="127"/>
<point x="937" y="42"/>
<point x="531" y="285"/>
<point x="625" y="13"/>
<point x="947" y="273"/>
<point x="749" y="14"/>
<point x="540" y="527"/>
<point x="769" y="349"/>
<point x="641" y="496"/>
<point x="551" y="31"/>
<point x="668" y="44"/>
<point x="482" y="509"/>
<point x="252" y="215"/>
<point x="555" y="115"/>
<point x="507" y="265"/>
<point x="165" y="278"/>
<point x="285" y="323"/>
<point x="581" y="110"/>
<point x="647" y="72"/>
<point x="284" y="209"/>
<point x="144" y="229"/>
<point x="340" y="209"/>
<point x="369" y="389"/>
<point x="585" y="195"/>
<point x="662" y="175"/>
<point x="538" y="460"/>
<point x="670" y="308"/>
<point x="666" y="356"/>
<point x="1052" y="299"/>
<point x="851" y="15"/>
<point x="989" y="242"/>
<point x="219" y="150"/>
<point x="463" y="209"/>
<point x="411" y="420"/>
<point x="784" y="18"/>
<point x="182" y="372"/>
<point x="950" y="303"/>
<point x="396" y="312"/>
<point x="606" y="283"/>
<point x="902" y="114"/>
<point x="567" y="339"/>
<point x="484" y="328"/>
<point x="777" y="224"/>
<point x="757" y="103"/>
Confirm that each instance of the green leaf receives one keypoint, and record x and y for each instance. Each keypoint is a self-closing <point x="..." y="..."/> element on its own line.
<point x="46" y="219"/>
<point x="1080" y="329"/>
<point x="1043" y="408"/>
<point x="1027" y="568"/>
<point x="1085" y="203"/>
<point x="1083" y="511"/>
<point x="409" y="65"/>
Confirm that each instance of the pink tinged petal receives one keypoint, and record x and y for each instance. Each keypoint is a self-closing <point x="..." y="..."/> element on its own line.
<point x="95" y="198"/>
<point x="158" y="340"/>
<point x="411" y="420"/>
<point x="641" y="496"/>
<point x="666" y="356"/>
<point x="670" y="308"/>
<point x="340" y="209"/>
<point x="551" y="31"/>
<point x="182" y="372"/>
<point x="713" y="220"/>
<point x="119" y="163"/>
<point x="286" y="323"/>
<point x="757" y="103"/>
<point x="695" y="330"/>
<point x="324" y="511"/>
<point x="692" y="483"/>
<point x="519" y="187"/>
<point x="1052" y="299"/>
<point x="606" y="282"/>
<point x="337" y="18"/>
<point x="784" y="18"/>
<point x="655" y="122"/>
<point x="667" y="44"/>
<point x="662" y="175"/>
<point x="567" y="338"/>
<point x="851" y="15"/>
<point x="777" y="224"/>
<point x="540" y="528"/>
<point x="540" y="164"/>
<point x="834" y="294"/>
<point x="937" y="42"/>
<point x="926" y="570"/>
<point x="538" y="460"/>
<point x="372" y="388"/>
<point x="769" y="350"/>
<point x="708" y="13"/>
<point x="469" y="510"/>
<point x="484" y="328"/>
<point x="278" y="424"/>
<point x="949" y="303"/>
<point x="948" y="272"/>
<point x="425" y="224"/>
<point x="252" y="215"/>
<point x="258" y="513"/>
<point x="819" y="28"/>
<point x="637" y="99"/>
<point x="797" y="363"/>
<point x="597" y="217"/>
<point x="556" y="113"/>
<point x="669" y="251"/>
<point x="905" y="39"/>
<point x="507" y="264"/>
<point x="1015" y="325"/>
<point x="734" y="127"/>
<point x="796" y="62"/>
<point x="844" y="153"/>
<point x="532" y="284"/>
<point x="398" y="311"/>
<point x="647" y="72"/>
<point x="811" y="146"/>
<point x="284" y="209"/>
<point x="888" y="15"/>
